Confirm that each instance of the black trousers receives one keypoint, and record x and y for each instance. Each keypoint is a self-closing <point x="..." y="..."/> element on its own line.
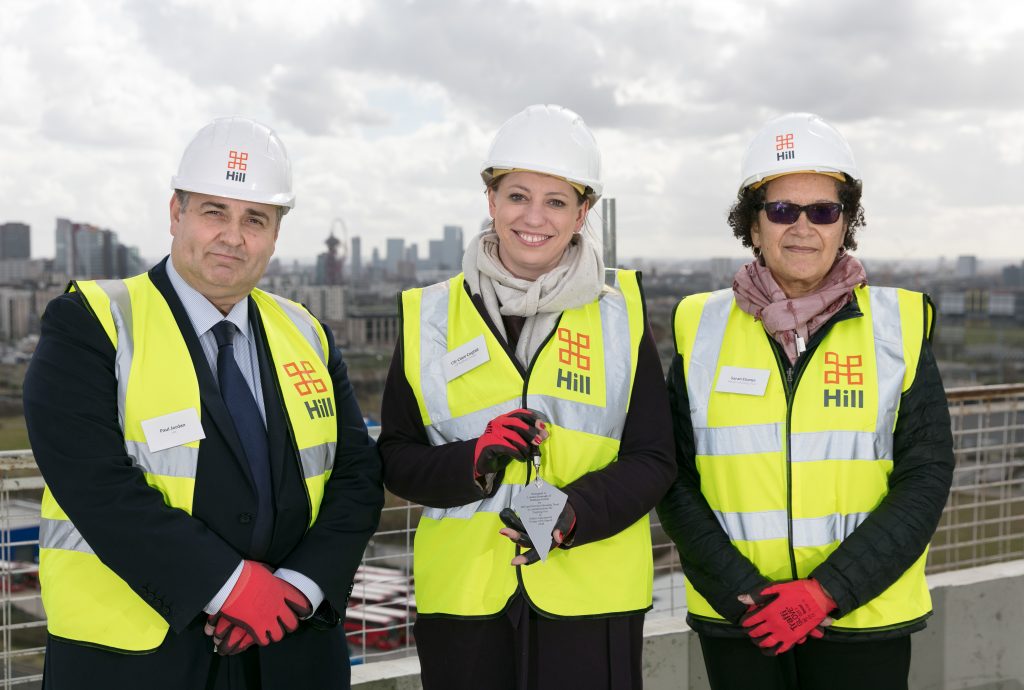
<point x="736" y="664"/>
<point x="123" y="671"/>
<point x="521" y="650"/>
<point x="306" y="658"/>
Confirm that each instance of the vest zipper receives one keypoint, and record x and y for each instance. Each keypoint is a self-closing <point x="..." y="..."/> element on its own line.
<point x="788" y="386"/>
<point x="529" y="465"/>
<point x="290" y="431"/>
<point x="529" y="372"/>
<point x="791" y="382"/>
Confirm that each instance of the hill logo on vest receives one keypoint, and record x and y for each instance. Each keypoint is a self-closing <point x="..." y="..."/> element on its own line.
<point x="307" y="385"/>
<point x="572" y="354"/>
<point x="838" y="368"/>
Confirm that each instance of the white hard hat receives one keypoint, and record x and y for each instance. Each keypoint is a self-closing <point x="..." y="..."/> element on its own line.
<point x="796" y="142"/>
<point x="237" y="158"/>
<point x="547" y="139"/>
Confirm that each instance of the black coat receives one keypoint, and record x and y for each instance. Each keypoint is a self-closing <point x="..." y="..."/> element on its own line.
<point x="175" y="561"/>
<point x="867" y="562"/>
<point x="606" y="501"/>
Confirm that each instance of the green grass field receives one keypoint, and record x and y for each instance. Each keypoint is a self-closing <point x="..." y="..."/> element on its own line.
<point x="13" y="435"/>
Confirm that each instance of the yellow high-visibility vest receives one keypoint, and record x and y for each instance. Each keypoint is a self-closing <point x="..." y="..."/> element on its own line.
<point x="87" y="602"/>
<point x="789" y="488"/>
<point x="581" y="380"/>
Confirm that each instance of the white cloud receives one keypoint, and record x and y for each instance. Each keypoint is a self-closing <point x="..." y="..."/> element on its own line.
<point x="388" y="108"/>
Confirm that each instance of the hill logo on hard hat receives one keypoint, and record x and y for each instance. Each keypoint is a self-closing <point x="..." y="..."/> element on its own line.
<point x="237" y="166"/>
<point x="574" y="350"/>
<point x="836" y="369"/>
<point x="784" y="147"/>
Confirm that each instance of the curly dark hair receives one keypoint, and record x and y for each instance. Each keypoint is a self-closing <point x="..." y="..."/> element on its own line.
<point x="743" y="213"/>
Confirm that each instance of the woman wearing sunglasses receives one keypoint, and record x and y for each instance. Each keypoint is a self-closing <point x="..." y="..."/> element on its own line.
<point x="812" y="437"/>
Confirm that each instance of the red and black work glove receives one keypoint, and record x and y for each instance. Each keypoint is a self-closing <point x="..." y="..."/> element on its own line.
<point x="507" y="437"/>
<point x="561" y="535"/>
<point x="260" y="608"/>
<point x="786" y="614"/>
<point x="760" y="600"/>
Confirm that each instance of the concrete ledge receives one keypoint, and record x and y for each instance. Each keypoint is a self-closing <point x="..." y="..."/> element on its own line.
<point x="974" y="641"/>
<point x="397" y="674"/>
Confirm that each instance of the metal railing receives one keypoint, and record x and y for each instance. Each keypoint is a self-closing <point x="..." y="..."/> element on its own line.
<point x="983" y="523"/>
<point x="984" y="517"/>
<point x="22" y="624"/>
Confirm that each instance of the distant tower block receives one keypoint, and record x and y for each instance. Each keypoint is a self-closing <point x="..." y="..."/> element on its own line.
<point x="332" y="264"/>
<point x="608" y="232"/>
<point x="357" y="258"/>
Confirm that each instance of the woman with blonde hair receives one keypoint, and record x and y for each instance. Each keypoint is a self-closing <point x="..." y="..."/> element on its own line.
<point x="526" y="396"/>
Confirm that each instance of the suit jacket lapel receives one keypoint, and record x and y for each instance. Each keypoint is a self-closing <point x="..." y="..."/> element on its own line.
<point x="209" y="392"/>
<point x="277" y="436"/>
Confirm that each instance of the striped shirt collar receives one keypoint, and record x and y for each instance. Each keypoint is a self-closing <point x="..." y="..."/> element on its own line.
<point x="201" y="311"/>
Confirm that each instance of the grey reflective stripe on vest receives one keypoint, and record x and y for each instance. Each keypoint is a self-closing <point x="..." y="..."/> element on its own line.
<point x="318" y="459"/>
<point x="61" y="534"/>
<point x="303" y="321"/>
<point x="121" y="311"/>
<point x="469" y="425"/>
<point x="607" y="421"/>
<point x="840" y="445"/>
<point x="805" y="446"/>
<point x="773" y="524"/>
<point x="825" y="530"/>
<point x="500" y="500"/>
<point x="888" y="331"/>
<point x="700" y="372"/>
<point x="738" y="440"/>
<point x="433" y="348"/>
<point x="180" y="461"/>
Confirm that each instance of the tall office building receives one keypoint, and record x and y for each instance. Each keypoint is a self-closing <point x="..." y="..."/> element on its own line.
<point x="722" y="272"/>
<point x="451" y="254"/>
<point x="357" y="258"/>
<point x="329" y="265"/>
<point x="91" y="244"/>
<point x="86" y="251"/>
<point x="15" y="241"/>
<point x="966" y="266"/>
<point x="608" y="232"/>
<point x="64" y="262"/>
<point x="435" y="254"/>
<point x="395" y="252"/>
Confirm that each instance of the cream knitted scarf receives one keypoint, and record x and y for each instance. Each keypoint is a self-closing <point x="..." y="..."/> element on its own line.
<point x="577" y="280"/>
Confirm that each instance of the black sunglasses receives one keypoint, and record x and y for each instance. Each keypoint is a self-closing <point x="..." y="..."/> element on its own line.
<point x="786" y="213"/>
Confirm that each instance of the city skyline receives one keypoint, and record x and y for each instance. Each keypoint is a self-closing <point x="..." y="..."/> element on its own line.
<point x="367" y="249"/>
<point x="388" y="109"/>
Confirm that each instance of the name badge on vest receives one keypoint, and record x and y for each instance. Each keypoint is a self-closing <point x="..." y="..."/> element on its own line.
<point x="742" y="380"/>
<point x="174" y="429"/>
<point x="466" y="358"/>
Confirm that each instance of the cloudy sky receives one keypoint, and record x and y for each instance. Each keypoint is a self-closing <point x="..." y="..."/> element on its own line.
<point x="387" y="108"/>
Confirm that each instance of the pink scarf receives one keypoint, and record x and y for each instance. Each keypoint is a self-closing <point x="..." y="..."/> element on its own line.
<point x="783" y="318"/>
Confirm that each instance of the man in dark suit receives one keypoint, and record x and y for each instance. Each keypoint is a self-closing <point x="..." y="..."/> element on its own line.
<point x="211" y="485"/>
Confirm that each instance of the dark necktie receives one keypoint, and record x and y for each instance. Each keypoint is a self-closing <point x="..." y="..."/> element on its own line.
<point x="251" y="430"/>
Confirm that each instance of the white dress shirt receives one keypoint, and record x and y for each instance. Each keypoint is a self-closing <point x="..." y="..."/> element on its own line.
<point x="204" y="316"/>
